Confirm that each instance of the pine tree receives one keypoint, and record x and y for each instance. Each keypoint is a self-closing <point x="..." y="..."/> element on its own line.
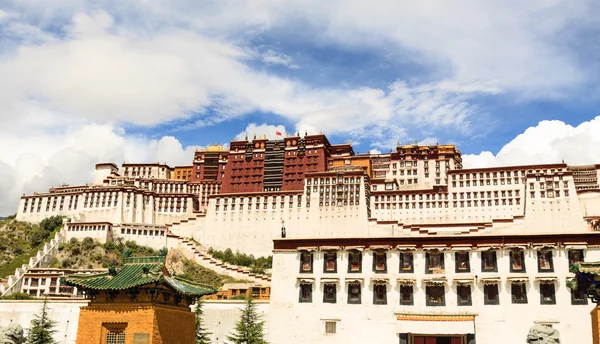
<point x="249" y="330"/>
<point x="201" y="332"/>
<point x="42" y="328"/>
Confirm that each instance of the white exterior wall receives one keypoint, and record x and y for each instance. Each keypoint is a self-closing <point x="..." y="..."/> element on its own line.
<point x="294" y="322"/>
<point x="80" y="231"/>
<point x="145" y="235"/>
<point x="65" y="313"/>
<point x="220" y="317"/>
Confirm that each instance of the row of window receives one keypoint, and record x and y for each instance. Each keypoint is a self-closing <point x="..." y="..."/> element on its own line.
<point x="482" y="182"/>
<point x="445" y="204"/>
<point x="434" y="261"/>
<point x="435" y="295"/>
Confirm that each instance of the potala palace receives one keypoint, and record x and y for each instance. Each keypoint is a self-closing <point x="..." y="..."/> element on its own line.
<point x="403" y="247"/>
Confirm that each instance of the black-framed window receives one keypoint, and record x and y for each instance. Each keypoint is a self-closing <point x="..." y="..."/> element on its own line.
<point x="330" y="262"/>
<point x="436" y="295"/>
<point x="406" y="262"/>
<point x="575" y="256"/>
<point x="547" y="294"/>
<point x="579" y="296"/>
<point x="517" y="260"/>
<point x="463" y="294"/>
<point x="545" y="263"/>
<point x="462" y="262"/>
<point x="354" y="293"/>
<point x="305" y="293"/>
<point x="380" y="262"/>
<point x="490" y="294"/>
<point x="489" y="262"/>
<point x="518" y="292"/>
<point x="354" y="262"/>
<point x="306" y="262"/>
<point x="329" y="293"/>
<point x="434" y="262"/>
<point x="380" y="294"/>
<point x="407" y="295"/>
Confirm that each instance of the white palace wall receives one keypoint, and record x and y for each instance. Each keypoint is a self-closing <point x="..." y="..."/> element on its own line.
<point x="294" y="322"/>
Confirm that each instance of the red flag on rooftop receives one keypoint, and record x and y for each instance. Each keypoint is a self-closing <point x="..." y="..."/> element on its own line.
<point x="277" y="133"/>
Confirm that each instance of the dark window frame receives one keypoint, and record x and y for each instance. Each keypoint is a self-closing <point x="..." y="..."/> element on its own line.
<point x="429" y="303"/>
<point x="468" y="262"/>
<point x="428" y="257"/>
<point x="486" y="292"/>
<point x="335" y="262"/>
<point x="521" y="253"/>
<point x="550" y="260"/>
<point x="310" y="293"/>
<point x="412" y="263"/>
<point x="351" y="253"/>
<point x="494" y="254"/>
<point x="459" y="300"/>
<point x="513" y="296"/>
<point x="575" y="301"/>
<point x="376" y="287"/>
<point x="302" y="254"/>
<point x="410" y="302"/>
<point x="553" y="292"/>
<point x="359" y="298"/>
<point x="326" y="286"/>
<point x="570" y="258"/>
<point x="378" y="254"/>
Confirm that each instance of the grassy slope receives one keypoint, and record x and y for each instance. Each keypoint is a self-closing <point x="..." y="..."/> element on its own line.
<point x="18" y="242"/>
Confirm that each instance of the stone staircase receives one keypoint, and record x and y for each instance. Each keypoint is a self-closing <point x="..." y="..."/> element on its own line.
<point x="200" y="255"/>
<point x="186" y="227"/>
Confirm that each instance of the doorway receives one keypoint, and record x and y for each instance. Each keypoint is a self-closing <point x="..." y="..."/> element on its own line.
<point x="454" y="339"/>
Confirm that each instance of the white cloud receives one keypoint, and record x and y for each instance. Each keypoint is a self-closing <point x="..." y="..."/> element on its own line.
<point x="70" y="158"/>
<point x="273" y="57"/>
<point x="548" y="142"/>
<point x="260" y="130"/>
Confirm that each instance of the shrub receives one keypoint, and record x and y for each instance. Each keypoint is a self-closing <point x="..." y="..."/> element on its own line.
<point x="88" y="243"/>
<point x="73" y="241"/>
<point x="51" y="223"/>
<point x="17" y="296"/>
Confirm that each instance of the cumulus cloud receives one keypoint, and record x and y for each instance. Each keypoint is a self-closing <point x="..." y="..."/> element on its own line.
<point x="273" y="57"/>
<point x="547" y="142"/>
<point x="260" y="130"/>
<point x="70" y="158"/>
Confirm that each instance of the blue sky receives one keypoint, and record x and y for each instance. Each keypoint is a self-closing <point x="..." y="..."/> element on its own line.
<point x="82" y="82"/>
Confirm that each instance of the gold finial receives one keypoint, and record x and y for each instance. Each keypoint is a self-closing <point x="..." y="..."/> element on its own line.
<point x="246" y="137"/>
<point x="305" y="132"/>
<point x="287" y="134"/>
<point x="321" y="131"/>
<point x="416" y="142"/>
<point x="398" y="143"/>
<point x="255" y="136"/>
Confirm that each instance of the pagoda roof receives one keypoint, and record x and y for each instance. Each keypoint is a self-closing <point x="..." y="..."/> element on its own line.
<point x="592" y="268"/>
<point x="137" y="272"/>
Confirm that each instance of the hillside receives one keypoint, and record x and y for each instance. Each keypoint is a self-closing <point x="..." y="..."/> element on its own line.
<point x="21" y="240"/>
<point x="91" y="254"/>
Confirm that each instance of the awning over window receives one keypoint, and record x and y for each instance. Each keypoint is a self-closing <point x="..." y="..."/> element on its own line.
<point x="306" y="280"/>
<point x="441" y="280"/>
<point x="490" y="280"/>
<point x="307" y="249"/>
<point x="518" y="280"/>
<point x="380" y="280"/>
<point x="329" y="280"/>
<point x="576" y="245"/>
<point x="515" y="247"/>
<point x="434" y="247"/>
<point x="546" y="279"/>
<point x="461" y="247"/>
<point x="354" y="248"/>
<point x="407" y="281"/>
<point x="436" y="324"/>
<point x="354" y="280"/>
<point x="545" y="246"/>
<point x="379" y="247"/>
<point x="329" y="248"/>
<point x="406" y="247"/>
<point x="464" y="280"/>
<point x="486" y="247"/>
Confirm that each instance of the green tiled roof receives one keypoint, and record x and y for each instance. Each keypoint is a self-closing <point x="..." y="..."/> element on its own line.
<point x="137" y="272"/>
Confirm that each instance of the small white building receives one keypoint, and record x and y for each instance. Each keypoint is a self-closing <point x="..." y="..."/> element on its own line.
<point x="428" y="289"/>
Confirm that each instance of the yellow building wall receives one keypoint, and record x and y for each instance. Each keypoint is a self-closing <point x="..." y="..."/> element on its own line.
<point x="165" y="324"/>
<point x="364" y="162"/>
<point x="595" y="315"/>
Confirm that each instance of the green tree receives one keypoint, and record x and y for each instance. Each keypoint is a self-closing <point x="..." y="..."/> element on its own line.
<point x="42" y="327"/>
<point x="201" y="332"/>
<point x="249" y="330"/>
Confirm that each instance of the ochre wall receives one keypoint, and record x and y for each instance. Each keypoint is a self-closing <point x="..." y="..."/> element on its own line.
<point x="595" y="315"/>
<point x="166" y="325"/>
